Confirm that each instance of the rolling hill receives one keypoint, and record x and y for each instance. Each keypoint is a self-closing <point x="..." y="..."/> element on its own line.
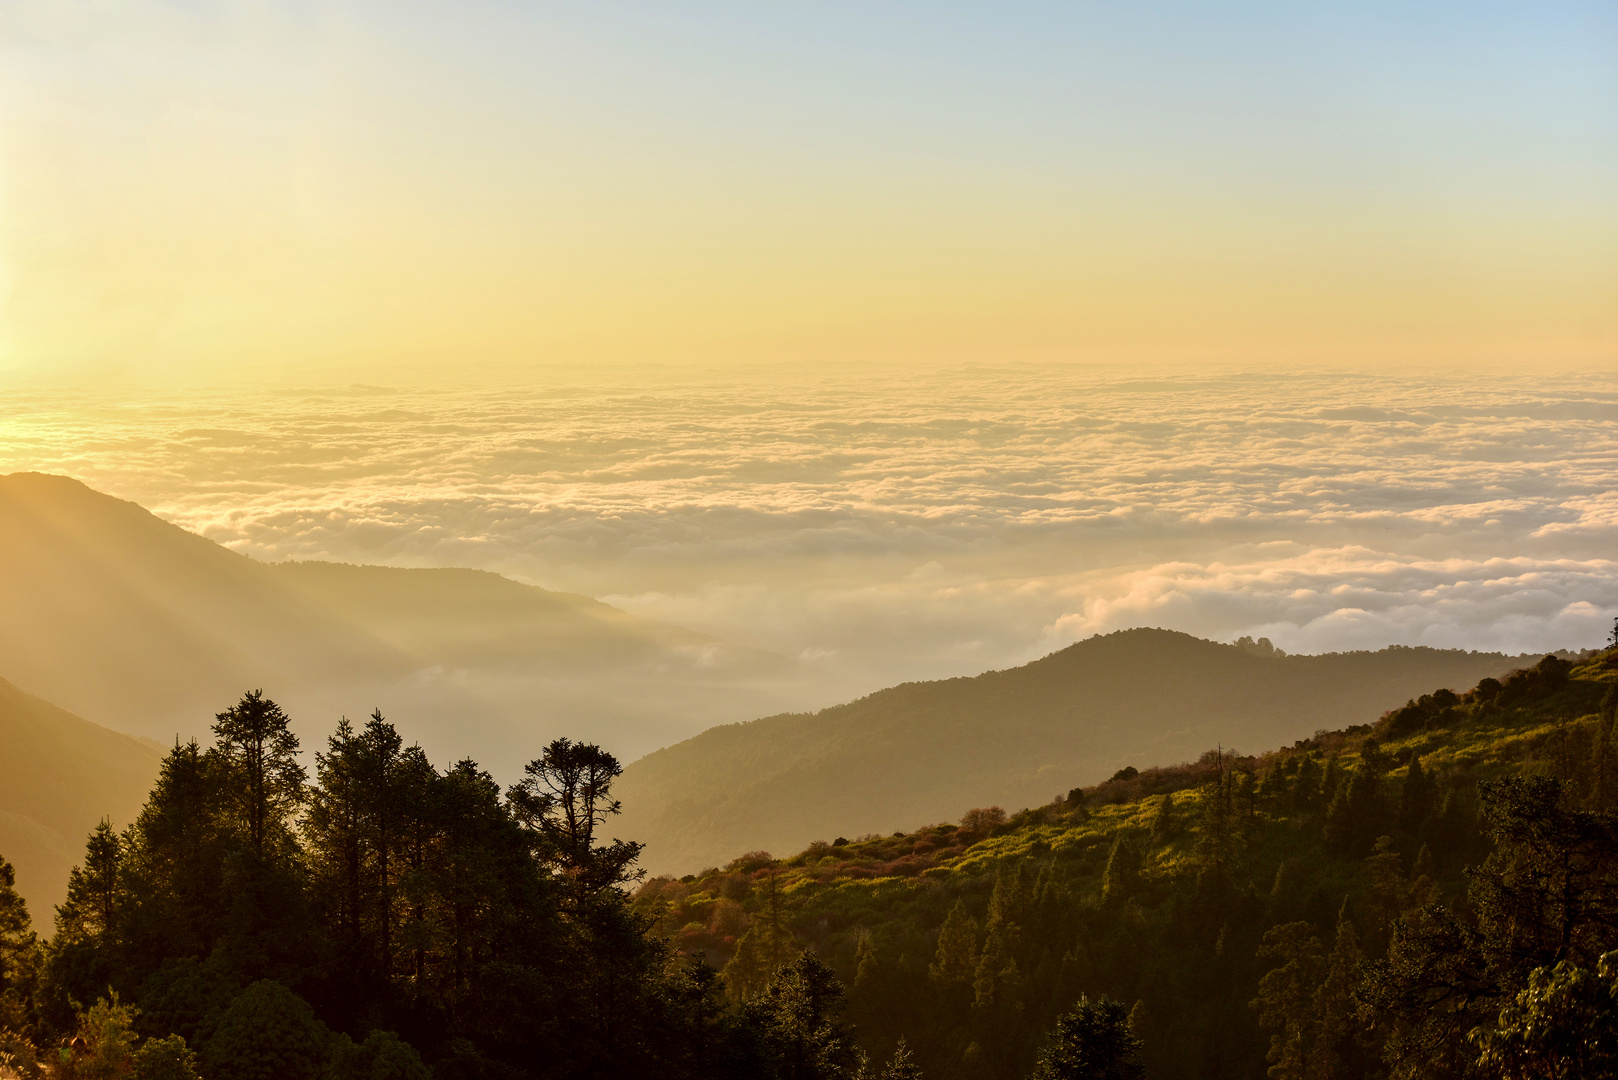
<point x="137" y="624"/>
<point x="59" y="776"/>
<point x="920" y="752"/>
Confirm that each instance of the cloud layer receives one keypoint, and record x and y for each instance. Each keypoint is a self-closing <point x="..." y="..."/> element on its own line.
<point x="889" y="527"/>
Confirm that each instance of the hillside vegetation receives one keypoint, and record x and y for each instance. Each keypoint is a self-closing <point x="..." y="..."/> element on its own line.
<point x="918" y="752"/>
<point x="1434" y="895"/>
<point x="1307" y="910"/>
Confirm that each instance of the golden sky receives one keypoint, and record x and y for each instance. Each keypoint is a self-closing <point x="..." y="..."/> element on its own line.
<point x="195" y="192"/>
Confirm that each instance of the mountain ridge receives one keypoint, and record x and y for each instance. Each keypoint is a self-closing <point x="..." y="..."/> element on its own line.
<point x="137" y="624"/>
<point x="60" y="774"/>
<point x="914" y="753"/>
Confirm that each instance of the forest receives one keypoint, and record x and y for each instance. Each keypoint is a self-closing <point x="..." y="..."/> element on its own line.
<point x="1431" y="895"/>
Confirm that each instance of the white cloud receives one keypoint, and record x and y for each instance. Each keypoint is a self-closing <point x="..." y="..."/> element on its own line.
<point x="889" y="528"/>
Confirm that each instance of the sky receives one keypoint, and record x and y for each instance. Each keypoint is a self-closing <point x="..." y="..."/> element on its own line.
<point x="906" y="340"/>
<point x="240" y="192"/>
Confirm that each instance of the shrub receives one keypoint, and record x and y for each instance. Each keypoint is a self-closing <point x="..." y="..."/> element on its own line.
<point x="268" y="1033"/>
<point x="382" y="1056"/>
<point x="983" y="820"/>
<point x="165" y="1059"/>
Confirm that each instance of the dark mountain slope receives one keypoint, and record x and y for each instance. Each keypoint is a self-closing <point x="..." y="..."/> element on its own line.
<point x="917" y="753"/>
<point x="59" y="776"/>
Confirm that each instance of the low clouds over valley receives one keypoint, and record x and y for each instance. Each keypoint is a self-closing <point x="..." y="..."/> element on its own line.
<point x="889" y="527"/>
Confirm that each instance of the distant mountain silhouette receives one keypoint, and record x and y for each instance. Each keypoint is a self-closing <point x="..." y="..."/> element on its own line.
<point x="59" y="776"/>
<point x="921" y="752"/>
<point x="138" y="624"/>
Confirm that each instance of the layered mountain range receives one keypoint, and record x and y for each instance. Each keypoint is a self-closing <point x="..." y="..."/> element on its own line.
<point x="135" y="623"/>
<point x="122" y="622"/>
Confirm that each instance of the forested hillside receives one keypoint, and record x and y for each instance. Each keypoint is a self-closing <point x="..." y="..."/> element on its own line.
<point x="916" y="753"/>
<point x="1308" y="910"/>
<point x="1434" y="895"/>
<point x="378" y="920"/>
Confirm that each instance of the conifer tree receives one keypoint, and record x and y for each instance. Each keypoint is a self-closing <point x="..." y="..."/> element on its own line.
<point x="764" y="949"/>
<point x="1165" y="822"/>
<point x="902" y="1065"/>
<point x="956" y="960"/>
<point x="803" y="1006"/>
<point x="1331" y="783"/>
<point x="1246" y="798"/>
<point x="1012" y="899"/>
<point x="1335" y="1006"/>
<point x="1091" y="1042"/>
<point x="1123" y="868"/>
<point x="564" y="797"/>
<point x="1354" y="816"/>
<point x="19" y="953"/>
<point x="1273" y="793"/>
<point x="1415" y="798"/>
<point x="263" y="777"/>
<point x="91" y="909"/>
<point x="1306" y="786"/>
<point x="996" y="982"/>
<point x="1286" y="997"/>
<point x="865" y="962"/>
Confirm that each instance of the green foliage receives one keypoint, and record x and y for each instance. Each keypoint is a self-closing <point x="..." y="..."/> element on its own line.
<point x="1001" y="928"/>
<point x="382" y="1056"/>
<point x="264" y="783"/>
<point x="268" y="1033"/>
<point x="93" y="888"/>
<point x="251" y="916"/>
<point x="19" y="961"/>
<point x="764" y="948"/>
<point x="902" y="1065"/>
<point x="18" y="1060"/>
<point x="1091" y="1042"/>
<point x="168" y="1058"/>
<point x="105" y="1043"/>
<point x="956" y="961"/>
<point x="801" y="1011"/>
<point x="1563" y="1024"/>
<point x="1324" y="912"/>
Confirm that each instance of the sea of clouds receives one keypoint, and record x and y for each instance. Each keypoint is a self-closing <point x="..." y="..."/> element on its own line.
<point x="884" y="526"/>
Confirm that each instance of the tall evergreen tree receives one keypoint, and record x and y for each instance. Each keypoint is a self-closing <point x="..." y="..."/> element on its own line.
<point x="93" y="889"/>
<point x="260" y="756"/>
<point x="1091" y="1042"/>
<point x="956" y="960"/>
<point x="564" y="797"/>
<point x="19" y="955"/>
<point x="1286" y="997"/>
